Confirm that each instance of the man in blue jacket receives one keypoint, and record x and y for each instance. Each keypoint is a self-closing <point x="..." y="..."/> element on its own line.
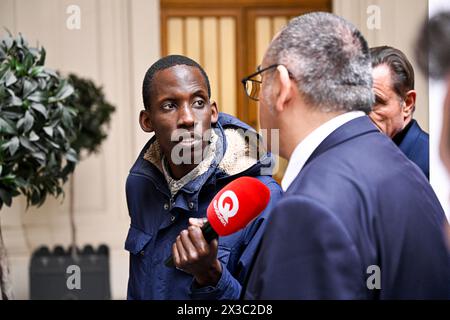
<point x="395" y="103"/>
<point x="195" y="152"/>
<point x="358" y="220"/>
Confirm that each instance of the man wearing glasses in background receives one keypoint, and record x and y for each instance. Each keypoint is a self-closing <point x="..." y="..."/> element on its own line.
<point x="357" y="220"/>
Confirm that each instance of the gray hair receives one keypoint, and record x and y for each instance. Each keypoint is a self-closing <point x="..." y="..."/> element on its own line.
<point x="330" y="60"/>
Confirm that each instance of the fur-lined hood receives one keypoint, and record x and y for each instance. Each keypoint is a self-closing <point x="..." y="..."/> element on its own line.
<point x="240" y="154"/>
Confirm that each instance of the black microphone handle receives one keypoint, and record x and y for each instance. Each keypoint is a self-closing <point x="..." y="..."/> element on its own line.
<point x="208" y="233"/>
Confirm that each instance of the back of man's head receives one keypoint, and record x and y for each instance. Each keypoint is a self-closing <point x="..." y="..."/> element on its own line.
<point x="402" y="72"/>
<point x="329" y="58"/>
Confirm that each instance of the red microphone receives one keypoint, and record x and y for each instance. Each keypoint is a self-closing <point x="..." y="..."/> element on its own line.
<point x="235" y="206"/>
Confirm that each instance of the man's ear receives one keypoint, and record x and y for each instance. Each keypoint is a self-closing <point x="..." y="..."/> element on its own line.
<point x="145" y="121"/>
<point x="214" y="112"/>
<point x="284" y="88"/>
<point x="410" y="102"/>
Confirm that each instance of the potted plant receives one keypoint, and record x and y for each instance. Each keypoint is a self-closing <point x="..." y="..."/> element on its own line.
<point x="49" y="266"/>
<point x="94" y="116"/>
<point x="37" y="131"/>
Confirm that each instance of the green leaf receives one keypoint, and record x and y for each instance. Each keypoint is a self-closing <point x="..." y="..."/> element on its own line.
<point x="26" y="143"/>
<point x="56" y="146"/>
<point x="9" y="78"/>
<point x="8" y="42"/>
<point x="6" y="127"/>
<point x="20" y="182"/>
<point x="29" y="121"/>
<point x="19" y="41"/>
<point x="42" y="59"/>
<point x="34" y="71"/>
<point x="40" y="108"/>
<point x="67" y="118"/>
<point x="51" y="72"/>
<point x="28" y="87"/>
<point x="28" y="62"/>
<point x="34" y="52"/>
<point x="61" y="132"/>
<point x="20" y="123"/>
<point x="41" y="144"/>
<point x="8" y="179"/>
<point x="40" y="157"/>
<point x="6" y="197"/>
<point x="13" y="145"/>
<point x="15" y="101"/>
<point x="2" y="54"/>
<point x="37" y="96"/>
<point x="42" y="83"/>
<point x="49" y="131"/>
<point x="51" y="159"/>
<point x="71" y="157"/>
<point x="65" y="91"/>
<point x="33" y="136"/>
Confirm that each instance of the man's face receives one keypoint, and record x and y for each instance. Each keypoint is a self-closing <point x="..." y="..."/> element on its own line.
<point x="266" y="106"/>
<point x="180" y="110"/>
<point x="387" y="112"/>
<point x="266" y="99"/>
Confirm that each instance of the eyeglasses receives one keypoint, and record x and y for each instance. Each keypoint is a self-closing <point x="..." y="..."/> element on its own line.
<point x="252" y="83"/>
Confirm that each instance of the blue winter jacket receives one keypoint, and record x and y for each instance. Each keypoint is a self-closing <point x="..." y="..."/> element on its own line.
<point x="157" y="219"/>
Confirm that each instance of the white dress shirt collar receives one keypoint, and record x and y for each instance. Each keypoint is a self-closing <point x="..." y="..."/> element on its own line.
<point x="307" y="146"/>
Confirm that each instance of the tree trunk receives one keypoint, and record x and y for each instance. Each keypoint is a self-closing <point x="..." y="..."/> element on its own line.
<point x="5" y="281"/>
<point x="73" y="230"/>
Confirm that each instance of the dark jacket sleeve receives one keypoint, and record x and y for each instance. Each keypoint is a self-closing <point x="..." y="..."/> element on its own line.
<point x="306" y="253"/>
<point x="230" y="284"/>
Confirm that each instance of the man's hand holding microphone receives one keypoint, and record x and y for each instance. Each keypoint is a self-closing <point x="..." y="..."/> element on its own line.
<point x="193" y="254"/>
<point x="235" y="206"/>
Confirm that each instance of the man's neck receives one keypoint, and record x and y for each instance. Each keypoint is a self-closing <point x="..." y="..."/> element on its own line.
<point x="306" y="124"/>
<point x="178" y="171"/>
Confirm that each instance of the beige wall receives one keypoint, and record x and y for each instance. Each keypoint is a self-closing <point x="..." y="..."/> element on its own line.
<point x="399" y="24"/>
<point x="117" y="41"/>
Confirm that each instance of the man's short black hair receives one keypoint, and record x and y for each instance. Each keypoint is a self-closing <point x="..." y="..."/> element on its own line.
<point x="401" y="69"/>
<point x="165" y="63"/>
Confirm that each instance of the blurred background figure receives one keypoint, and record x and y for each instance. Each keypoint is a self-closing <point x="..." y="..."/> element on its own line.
<point x="433" y="56"/>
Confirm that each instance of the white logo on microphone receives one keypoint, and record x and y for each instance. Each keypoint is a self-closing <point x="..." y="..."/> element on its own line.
<point x="223" y="210"/>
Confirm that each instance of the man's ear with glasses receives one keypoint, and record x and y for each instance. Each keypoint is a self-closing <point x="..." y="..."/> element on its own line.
<point x="284" y="88"/>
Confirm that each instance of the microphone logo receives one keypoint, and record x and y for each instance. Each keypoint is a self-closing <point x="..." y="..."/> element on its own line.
<point x="223" y="209"/>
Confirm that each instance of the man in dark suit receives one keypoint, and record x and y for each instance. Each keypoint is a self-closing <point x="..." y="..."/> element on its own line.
<point x="395" y="103"/>
<point x="358" y="220"/>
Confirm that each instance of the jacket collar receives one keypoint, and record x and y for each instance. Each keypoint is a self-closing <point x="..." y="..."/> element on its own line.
<point x="409" y="138"/>
<point x="352" y="129"/>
